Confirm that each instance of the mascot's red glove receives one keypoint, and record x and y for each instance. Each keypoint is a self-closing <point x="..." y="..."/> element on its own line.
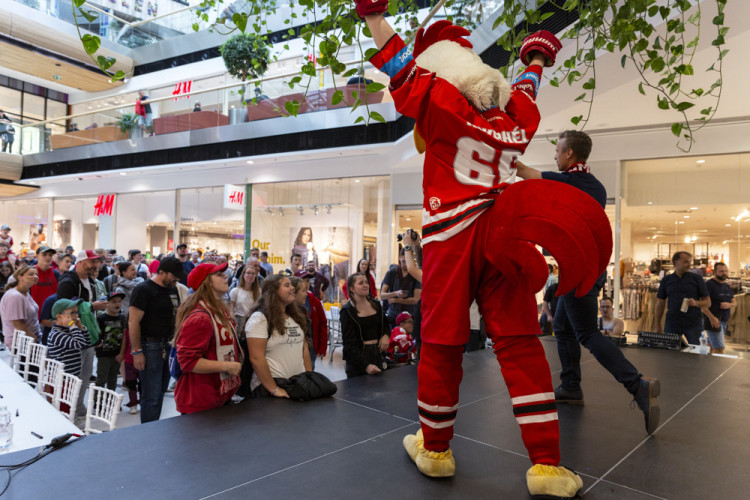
<point x="543" y="42"/>
<point x="370" y="7"/>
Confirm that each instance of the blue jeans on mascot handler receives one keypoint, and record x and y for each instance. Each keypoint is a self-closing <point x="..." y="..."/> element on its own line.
<point x="154" y="379"/>
<point x="575" y="324"/>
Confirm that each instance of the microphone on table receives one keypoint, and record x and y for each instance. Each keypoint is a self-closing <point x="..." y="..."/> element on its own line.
<point x="60" y="440"/>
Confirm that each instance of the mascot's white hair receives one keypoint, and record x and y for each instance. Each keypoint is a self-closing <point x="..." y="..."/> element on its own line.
<point x="443" y="50"/>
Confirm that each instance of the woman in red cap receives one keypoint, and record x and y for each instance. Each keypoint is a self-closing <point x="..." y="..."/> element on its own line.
<point x="206" y="341"/>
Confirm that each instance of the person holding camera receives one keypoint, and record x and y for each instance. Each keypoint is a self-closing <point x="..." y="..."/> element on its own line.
<point x="401" y="290"/>
<point x="413" y="254"/>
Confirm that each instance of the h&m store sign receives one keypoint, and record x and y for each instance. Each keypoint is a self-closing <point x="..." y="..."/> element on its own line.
<point x="105" y="203"/>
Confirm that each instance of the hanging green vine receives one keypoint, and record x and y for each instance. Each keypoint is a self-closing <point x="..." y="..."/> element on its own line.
<point x="658" y="38"/>
<point x="91" y="43"/>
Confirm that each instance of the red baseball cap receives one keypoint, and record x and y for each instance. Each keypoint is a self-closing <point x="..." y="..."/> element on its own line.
<point x="402" y="317"/>
<point x="199" y="273"/>
<point x="86" y="255"/>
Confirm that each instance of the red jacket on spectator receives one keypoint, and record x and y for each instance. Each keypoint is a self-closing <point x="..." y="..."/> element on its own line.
<point x="198" y="391"/>
<point x="319" y="324"/>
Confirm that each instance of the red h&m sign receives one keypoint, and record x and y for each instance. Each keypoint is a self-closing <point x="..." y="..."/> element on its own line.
<point x="104" y="204"/>
<point x="182" y="88"/>
<point x="234" y="196"/>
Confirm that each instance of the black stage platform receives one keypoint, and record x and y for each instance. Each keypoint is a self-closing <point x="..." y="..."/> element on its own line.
<point x="350" y="446"/>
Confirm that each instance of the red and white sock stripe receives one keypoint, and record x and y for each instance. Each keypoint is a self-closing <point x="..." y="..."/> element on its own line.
<point x="535" y="408"/>
<point x="437" y="417"/>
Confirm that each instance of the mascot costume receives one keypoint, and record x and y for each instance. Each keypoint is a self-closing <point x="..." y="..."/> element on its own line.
<point x="480" y="231"/>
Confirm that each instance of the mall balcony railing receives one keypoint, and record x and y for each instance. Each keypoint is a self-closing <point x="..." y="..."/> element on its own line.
<point x="219" y="107"/>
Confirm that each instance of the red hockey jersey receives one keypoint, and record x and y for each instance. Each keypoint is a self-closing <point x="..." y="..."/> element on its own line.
<point x="469" y="153"/>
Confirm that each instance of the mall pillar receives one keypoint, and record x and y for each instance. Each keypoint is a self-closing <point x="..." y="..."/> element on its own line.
<point x="106" y="237"/>
<point x="248" y="219"/>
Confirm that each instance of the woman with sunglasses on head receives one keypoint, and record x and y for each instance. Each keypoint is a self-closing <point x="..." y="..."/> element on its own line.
<point x="276" y="338"/>
<point x="206" y="341"/>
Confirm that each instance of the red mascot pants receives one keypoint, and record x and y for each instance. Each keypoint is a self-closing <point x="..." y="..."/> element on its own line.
<point x="457" y="271"/>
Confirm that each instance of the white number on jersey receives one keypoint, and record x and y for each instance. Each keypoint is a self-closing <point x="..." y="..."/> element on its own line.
<point x="477" y="163"/>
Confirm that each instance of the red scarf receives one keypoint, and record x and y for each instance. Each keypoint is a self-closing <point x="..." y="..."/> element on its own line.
<point x="579" y="167"/>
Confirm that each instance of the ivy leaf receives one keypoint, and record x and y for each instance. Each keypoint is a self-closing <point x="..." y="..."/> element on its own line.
<point x="359" y="119"/>
<point x="90" y="15"/>
<point x="580" y="97"/>
<point x="337" y="97"/>
<point x="576" y="119"/>
<point x="292" y="107"/>
<point x="657" y="64"/>
<point x="590" y="84"/>
<point x="677" y="129"/>
<point x="91" y="43"/>
<point x="370" y="52"/>
<point x="623" y="60"/>
<point x="374" y="87"/>
<point x="377" y="116"/>
<point x="393" y="8"/>
<point x="196" y="27"/>
<point x="554" y="82"/>
<point x="119" y="75"/>
<point x="79" y="3"/>
<point x="240" y="21"/>
<point x="105" y="62"/>
<point x="350" y="73"/>
<point x="663" y="103"/>
<point x="683" y="106"/>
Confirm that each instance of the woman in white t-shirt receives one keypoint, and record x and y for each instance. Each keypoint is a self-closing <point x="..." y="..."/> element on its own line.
<point x="244" y="297"/>
<point x="276" y="338"/>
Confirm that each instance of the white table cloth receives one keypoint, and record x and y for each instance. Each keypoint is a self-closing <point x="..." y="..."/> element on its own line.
<point x="34" y="412"/>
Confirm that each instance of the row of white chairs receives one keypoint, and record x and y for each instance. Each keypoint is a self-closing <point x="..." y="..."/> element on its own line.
<point x="48" y="377"/>
<point x="334" y="331"/>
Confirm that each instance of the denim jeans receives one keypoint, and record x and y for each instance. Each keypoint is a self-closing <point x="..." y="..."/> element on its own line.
<point x="576" y="322"/>
<point x="693" y="334"/>
<point x="154" y="379"/>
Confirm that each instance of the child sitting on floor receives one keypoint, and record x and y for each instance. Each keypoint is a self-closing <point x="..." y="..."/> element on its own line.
<point x="402" y="344"/>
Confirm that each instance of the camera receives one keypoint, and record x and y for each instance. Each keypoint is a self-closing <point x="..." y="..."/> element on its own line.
<point x="413" y="234"/>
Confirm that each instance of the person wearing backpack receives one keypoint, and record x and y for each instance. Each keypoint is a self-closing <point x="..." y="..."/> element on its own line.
<point x="208" y="351"/>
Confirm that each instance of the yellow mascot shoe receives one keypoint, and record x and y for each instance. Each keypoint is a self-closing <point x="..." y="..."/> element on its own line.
<point x="429" y="463"/>
<point x="549" y="482"/>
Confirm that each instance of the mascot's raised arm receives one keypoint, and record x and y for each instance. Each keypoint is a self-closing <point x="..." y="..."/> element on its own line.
<point x="480" y="231"/>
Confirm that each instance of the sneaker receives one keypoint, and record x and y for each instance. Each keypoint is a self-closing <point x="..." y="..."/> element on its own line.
<point x="429" y="463"/>
<point x="646" y="400"/>
<point x="564" y="396"/>
<point x="172" y="385"/>
<point x="548" y="481"/>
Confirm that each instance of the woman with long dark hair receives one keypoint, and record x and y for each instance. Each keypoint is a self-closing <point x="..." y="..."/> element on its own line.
<point x="305" y="237"/>
<point x="363" y="267"/>
<point x="364" y="329"/>
<point x="276" y="338"/>
<point x="206" y="341"/>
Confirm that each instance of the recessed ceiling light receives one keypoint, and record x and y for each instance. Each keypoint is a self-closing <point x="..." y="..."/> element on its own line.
<point x="693" y="208"/>
<point x="123" y="173"/>
<point x="249" y="162"/>
<point x="685" y="216"/>
<point x="650" y="202"/>
<point x="32" y="182"/>
<point x="681" y="222"/>
<point x="356" y="180"/>
<point x="700" y="161"/>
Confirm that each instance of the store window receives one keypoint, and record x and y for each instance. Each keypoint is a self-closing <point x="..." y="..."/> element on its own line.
<point x="28" y="222"/>
<point x="206" y="225"/>
<point x="696" y="204"/>
<point x="332" y="222"/>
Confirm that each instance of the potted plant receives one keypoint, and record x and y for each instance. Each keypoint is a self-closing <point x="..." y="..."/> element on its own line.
<point x="246" y="57"/>
<point x="127" y="123"/>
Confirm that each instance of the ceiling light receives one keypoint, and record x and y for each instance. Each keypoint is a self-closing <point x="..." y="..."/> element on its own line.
<point x="724" y="242"/>
<point x="693" y="208"/>
<point x="32" y="182"/>
<point x="685" y="216"/>
<point x="701" y="162"/>
<point x="650" y="202"/>
<point x="123" y="173"/>
<point x="249" y="162"/>
<point x="408" y="218"/>
<point x="694" y="238"/>
<point x="681" y="222"/>
<point x="356" y="180"/>
<point x="728" y="225"/>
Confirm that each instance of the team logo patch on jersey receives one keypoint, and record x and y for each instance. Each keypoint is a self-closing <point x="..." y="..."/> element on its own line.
<point x="434" y="203"/>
